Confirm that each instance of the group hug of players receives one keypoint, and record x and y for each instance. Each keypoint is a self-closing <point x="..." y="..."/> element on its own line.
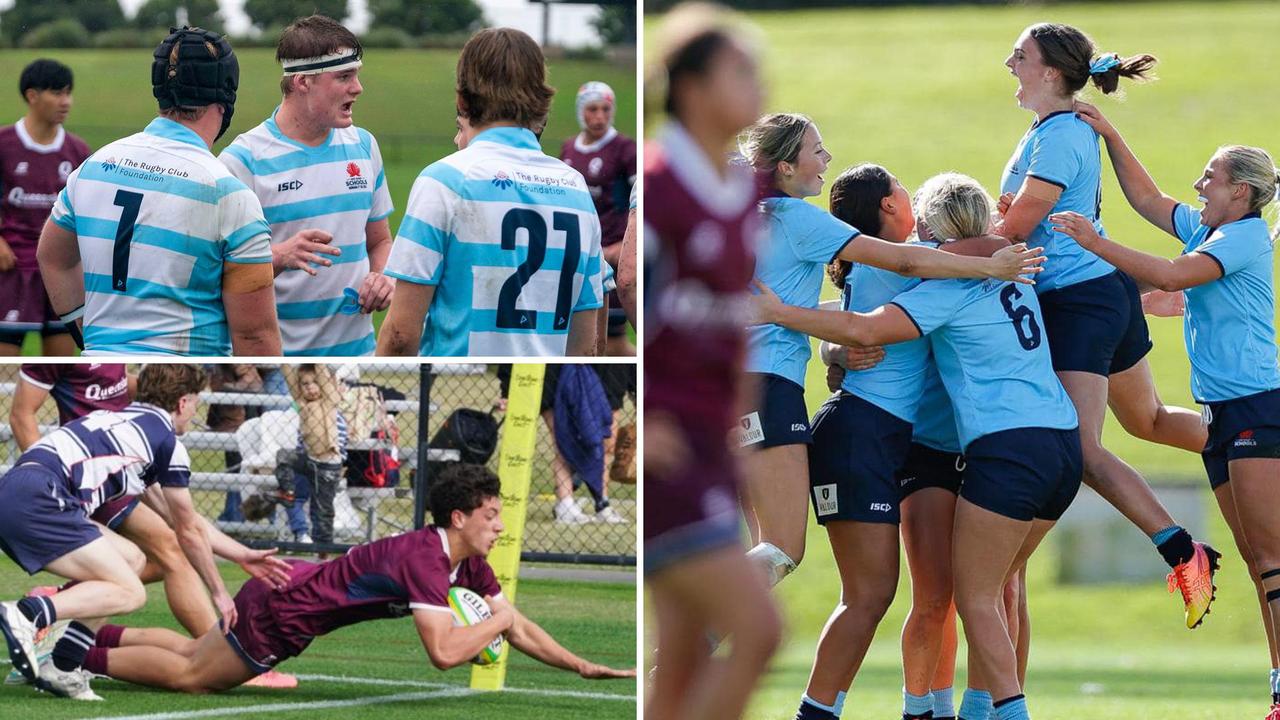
<point x="104" y="502"/>
<point x="968" y="408"/>
<point x="281" y="244"/>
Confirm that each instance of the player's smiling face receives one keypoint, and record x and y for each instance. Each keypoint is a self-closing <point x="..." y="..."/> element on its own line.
<point x="1220" y="196"/>
<point x="804" y="177"/>
<point x="1027" y="64"/>
<point x="51" y="106"/>
<point x="481" y="528"/>
<point x="333" y="94"/>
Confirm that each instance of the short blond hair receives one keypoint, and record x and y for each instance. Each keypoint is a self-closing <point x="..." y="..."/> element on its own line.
<point x="952" y="206"/>
<point x="1254" y="167"/>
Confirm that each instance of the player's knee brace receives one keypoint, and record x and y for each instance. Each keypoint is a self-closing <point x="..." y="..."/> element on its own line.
<point x="776" y="563"/>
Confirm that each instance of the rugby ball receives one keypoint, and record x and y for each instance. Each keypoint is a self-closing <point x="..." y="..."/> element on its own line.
<point x="469" y="609"/>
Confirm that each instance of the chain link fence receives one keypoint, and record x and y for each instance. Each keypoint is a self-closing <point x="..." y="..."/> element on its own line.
<point x="320" y="457"/>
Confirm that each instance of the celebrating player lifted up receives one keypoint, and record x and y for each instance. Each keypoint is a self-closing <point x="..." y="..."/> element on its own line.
<point x="408" y="574"/>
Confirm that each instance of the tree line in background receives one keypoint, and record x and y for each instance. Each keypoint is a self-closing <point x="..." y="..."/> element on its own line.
<point x="101" y="23"/>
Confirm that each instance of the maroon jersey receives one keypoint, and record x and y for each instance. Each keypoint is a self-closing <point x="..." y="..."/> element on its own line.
<point x="609" y="167"/>
<point x="81" y="388"/>
<point x="31" y="176"/>
<point x="384" y="579"/>
<point x="701" y="230"/>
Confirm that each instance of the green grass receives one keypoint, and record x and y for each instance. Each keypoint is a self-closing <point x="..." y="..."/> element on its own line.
<point x="408" y="103"/>
<point x="594" y="620"/>
<point x="923" y="90"/>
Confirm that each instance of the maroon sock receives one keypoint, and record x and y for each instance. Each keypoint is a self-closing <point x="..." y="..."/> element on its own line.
<point x="96" y="661"/>
<point x="109" y="636"/>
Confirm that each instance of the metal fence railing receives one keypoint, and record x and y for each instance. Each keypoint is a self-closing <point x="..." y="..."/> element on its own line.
<point x="246" y="442"/>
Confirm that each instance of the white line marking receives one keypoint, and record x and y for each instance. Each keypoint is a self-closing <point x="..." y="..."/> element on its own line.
<point x="292" y="707"/>
<point x="423" y="684"/>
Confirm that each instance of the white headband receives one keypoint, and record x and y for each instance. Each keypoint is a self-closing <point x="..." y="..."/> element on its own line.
<point x="344" y="59"/>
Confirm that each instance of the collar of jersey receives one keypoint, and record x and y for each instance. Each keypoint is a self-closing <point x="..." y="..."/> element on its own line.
<point x="1038" y="122"/>
<point x="154" y="409"/>
<point x="584" y="147"/>
<point x="171" y="130"/>
<point x="517" y="137"/>
<point x="275" y="130"/>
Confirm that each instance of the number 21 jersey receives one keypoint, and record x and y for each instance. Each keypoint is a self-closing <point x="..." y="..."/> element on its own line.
<point x="510" y="239"/>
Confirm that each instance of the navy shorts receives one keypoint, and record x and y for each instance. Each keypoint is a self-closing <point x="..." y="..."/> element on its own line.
<point x="114" y="512"/>
<point x="1096" y="326"/>
<point x="928" y="467"/>
<point x="1024" y="473"/>
<point x="617" y="326"/>
<point x="780" y="417"/>
<point x="40" y="521"/>
<point x="857" y="450"/>
<point x="1247" y="427"/>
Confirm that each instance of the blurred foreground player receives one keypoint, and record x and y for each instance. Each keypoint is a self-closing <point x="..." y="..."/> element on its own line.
<point x="700" y="221"/>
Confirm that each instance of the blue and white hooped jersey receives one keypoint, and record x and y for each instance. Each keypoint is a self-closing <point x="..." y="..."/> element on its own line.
<point x="896" y="382"/>
<point x="107" y="454"/>
<point x="935" y="424"/>
<point x="801" y="239"/>
<point x="338" y="186"/>
<point x="510" y="239"/>
<point x="1061" y="150"/>
<point x="1229" y="324"/>
<point x="156" y="216"/>
<point x="989" y="344"/>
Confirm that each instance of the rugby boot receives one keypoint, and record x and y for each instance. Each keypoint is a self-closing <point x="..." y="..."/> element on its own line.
<point x="19" y="635"/>
<point x="1195" y="579"/>
<point x="274" y="679"/>
<point x="72" y="684"/>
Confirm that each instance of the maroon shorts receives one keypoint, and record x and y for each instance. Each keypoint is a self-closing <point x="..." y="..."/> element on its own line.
<point x="255" y="637"/>
<point x="112" y="513"/>
<point x="696" y="508"/>
<point x="24" y="304"/>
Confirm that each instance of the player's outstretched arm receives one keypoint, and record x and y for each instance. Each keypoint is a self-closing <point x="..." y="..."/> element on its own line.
<point x="449" y="646"/>
<point x="1180" y="273"/>
<point x="189" y="526"/>
<point x="529" y="638"/>
<point x="401" y="330"/>
<point x="1016" y="263"/>
<point x="249" y="297"/>
<point x="582" y="334"/>
<point x="59" y="256"/>
<point x="1139" y="189"/>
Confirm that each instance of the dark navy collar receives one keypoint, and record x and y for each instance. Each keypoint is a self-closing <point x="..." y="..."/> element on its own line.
<point x="1040" y="121"/>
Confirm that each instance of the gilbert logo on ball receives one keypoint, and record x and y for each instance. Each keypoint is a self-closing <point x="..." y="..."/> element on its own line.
<point x="470" y="609"/>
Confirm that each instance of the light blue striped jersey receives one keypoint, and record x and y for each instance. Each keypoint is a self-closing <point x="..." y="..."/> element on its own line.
<point x="1061" y="150"/>
<point x="896" y="382"/>
<point x="338" y="186"/>
<point x="990" y="347"/>
<point x="802" y="239"/>
<point x="1229" y="324"/>
<point x="156" y="216"/>
<point x="510" y="239"/>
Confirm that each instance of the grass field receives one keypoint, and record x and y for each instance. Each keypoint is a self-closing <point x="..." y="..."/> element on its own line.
<point x="408" y="101"/>
<point x="379" y="668"/>
<point x="923" y="90"/>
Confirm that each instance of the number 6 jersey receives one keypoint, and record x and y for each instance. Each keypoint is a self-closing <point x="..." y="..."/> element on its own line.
<point x="510" y="239"/>
<point x="156" y="216"/>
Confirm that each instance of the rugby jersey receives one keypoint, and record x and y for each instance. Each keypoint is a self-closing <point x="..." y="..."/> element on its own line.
<point x="338" y="186"/>
<point x="509" y="237"/>
<point x="156" y="216"/>
<point x="108" y="454"/>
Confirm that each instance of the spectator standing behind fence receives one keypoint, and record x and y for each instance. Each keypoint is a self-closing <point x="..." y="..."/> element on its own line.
<point x="322" y="443"/>
<point x="238" y="378"/>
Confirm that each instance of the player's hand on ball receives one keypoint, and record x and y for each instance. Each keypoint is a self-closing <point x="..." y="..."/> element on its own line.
<point x="226" y="607"/>
<point x="375" y="292"/>
<point x="594" y="671"/>
<point x="1164" y="304"/>
<point x="7" y="259"/>
<point x="302" y="250"/>
<point x="265" y="566"/>
<point x="1018" y="263"/>
<point x="504" y="613"/>
<point x="765" y="304"/>
<point x="1078" y="227"/>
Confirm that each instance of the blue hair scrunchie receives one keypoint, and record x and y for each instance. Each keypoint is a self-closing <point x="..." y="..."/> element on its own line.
<point x="1104" y="63"/>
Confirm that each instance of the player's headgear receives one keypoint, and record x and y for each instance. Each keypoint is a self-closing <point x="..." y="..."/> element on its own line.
<point x="593" y="91"/>
<point x="193" y="68"/>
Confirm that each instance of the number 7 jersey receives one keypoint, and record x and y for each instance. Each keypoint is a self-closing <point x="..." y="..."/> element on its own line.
<point x="156" y="216"/>
<point x="510" y="239"/>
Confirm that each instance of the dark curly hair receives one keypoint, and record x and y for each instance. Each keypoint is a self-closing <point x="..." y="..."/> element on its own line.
<point x="461" y="486"/>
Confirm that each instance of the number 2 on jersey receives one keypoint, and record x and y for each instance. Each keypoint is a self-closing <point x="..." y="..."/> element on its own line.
<point x="536" y="227"/>
<point x="130" y="202"/>
<point x="1031" y="340"/>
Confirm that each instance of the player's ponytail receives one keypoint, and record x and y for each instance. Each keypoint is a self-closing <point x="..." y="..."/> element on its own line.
<point x="855" y="199"/>
<point x="774" y="139"/>
<point x="1072" y="53"/>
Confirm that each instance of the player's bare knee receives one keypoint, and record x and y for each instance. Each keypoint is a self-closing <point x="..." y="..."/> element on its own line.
<point x="931" y="610"/>
<point x="872" y="595"/>
<point x="133" y="595"/>
<point x="166" y="552"/>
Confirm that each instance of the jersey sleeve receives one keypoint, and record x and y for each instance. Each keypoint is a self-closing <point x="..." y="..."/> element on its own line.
<point x="245" y="234"/>
<point x="930" y="305"/>
<point x="1186" y="220"/>
<point x="1054" y="158"/>
<point x="382" y="205"/>
<point x="417" y="253"/>
<point x="819" y="236"/>
<point x="63" y="213"/>
<point x="426" y="580"/>
<point x="42" y="375"/>
<point x="172" y="464"/>
<point x="592" y="295"/>
<point x="480" y="578"/>
<point x="1234" y="251"/>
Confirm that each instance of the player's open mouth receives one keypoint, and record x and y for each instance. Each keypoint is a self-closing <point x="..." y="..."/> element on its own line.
<point x="1203" y="200"/>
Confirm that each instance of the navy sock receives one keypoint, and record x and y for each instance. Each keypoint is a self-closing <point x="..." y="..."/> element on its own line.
<point x="1174" y="544"/>
<point x="74" y="644"/>
<point x="811" y="709"/>
<point x="38" y="610"/>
